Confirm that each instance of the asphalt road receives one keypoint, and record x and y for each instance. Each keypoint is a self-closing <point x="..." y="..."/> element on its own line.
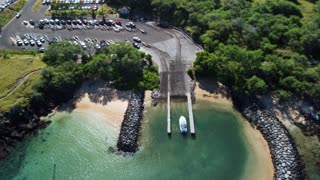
<point x="170" y="49"/>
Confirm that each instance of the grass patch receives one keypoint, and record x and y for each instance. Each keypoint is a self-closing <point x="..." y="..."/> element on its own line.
<point x="307" y="10"/>
<point x="17" y="6"/>
<point x="10" y="12"/>
<point x="6" y="16"/>
<point x="47" y="12"/>
<point x="310" y="151"/>
<point x="37" y="6"/>
<point x="23" y="93"/>
<point x="14" y="67"/>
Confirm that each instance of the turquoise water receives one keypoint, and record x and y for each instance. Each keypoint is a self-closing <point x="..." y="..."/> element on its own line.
<point x="78" y="144"/>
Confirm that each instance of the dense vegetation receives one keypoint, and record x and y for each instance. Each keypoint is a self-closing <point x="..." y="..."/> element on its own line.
<point x="253" y="47"/>
<point x="68" y="66"/>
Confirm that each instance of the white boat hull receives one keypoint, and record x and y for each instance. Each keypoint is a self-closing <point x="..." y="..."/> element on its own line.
<point x="183" y="124"/>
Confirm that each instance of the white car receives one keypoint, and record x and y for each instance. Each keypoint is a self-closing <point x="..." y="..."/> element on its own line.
<point x="136" y="39"/>
<point x="42" y="49"/>
<point x="97" y="46"/>
<point x="39" y="43"/>
<point x="18" y="15"/>
<point x="26" y="42"/>
<point x="32" y="43"/>
<point x="116" y="29"/>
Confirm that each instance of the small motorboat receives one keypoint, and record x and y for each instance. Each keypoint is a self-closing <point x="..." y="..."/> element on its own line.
<point x="183" y="124"/>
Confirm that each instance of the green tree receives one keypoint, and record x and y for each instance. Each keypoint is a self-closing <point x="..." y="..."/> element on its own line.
<point x="256" y="86"/>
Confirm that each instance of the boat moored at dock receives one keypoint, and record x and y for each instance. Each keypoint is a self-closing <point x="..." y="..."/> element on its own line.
<point x="183" y="125"/>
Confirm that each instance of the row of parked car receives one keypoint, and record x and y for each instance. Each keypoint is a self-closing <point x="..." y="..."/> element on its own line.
<point x="88" y="42"/>
<point x="56" y="24"/>
<point x="47" y="2"/>
<point x="79" y="7"/>
<point x="6" y="4"/>
<point x="31" y="40"/>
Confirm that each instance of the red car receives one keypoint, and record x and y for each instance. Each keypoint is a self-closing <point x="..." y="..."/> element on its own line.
<point x="118" y="23"/>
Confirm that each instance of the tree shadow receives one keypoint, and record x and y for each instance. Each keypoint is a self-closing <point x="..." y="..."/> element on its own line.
<point x="212" y="86"/>
<point x="99" y="92"/>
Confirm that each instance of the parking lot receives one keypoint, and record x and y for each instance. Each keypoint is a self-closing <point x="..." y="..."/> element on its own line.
<point x="67" y="29"/>
<point x="87" y="33"/>
<point x="165" y="44"/>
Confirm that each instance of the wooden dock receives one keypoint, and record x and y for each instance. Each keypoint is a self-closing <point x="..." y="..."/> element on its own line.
<point x="191" y="122"/>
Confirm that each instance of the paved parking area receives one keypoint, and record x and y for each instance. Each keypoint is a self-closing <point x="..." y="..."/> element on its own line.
<point x="166" y="44"/>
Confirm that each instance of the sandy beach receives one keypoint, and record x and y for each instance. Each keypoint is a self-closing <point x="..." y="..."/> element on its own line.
<point x="112" y="113"/>
<point x="259" y="162"/>
<point x="104" y="103"/>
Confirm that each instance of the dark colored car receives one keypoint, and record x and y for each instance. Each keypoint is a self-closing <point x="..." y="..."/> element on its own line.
<point x="31" y="22"/>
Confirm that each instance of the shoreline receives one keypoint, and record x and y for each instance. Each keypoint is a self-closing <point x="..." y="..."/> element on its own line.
<point x="263" y="168"/>
<point x="99" y="98"/>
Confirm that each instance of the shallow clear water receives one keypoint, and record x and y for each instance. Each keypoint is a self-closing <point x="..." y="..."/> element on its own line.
<point x="78" y="144"/>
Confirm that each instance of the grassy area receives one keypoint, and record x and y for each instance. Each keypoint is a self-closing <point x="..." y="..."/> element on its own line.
<point x="37" y="6"/>
<point x="17" y="6"/>
<point x="21" y="94"/>
<point x="9" y="13"/>
<point x="310" y="152"/>
<point x="47" y="12"/>
<point x="307" y="10"/>
<point x="14" y="67"/>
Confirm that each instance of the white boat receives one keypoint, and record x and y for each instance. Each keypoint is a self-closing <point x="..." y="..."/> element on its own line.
<point x="183" y="124"/>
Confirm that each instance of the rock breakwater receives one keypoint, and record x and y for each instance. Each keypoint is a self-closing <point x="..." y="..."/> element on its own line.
<point x="285" y="157"/>
<point x="130" y="127"/>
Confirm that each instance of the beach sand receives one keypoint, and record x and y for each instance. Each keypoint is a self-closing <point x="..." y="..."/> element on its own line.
<point x="100" y="101"/>
<point x="112" y="113"/>
<point x="259" y="161"/>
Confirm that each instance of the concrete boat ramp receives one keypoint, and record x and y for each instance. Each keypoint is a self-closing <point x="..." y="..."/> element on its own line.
<point x="174" y="83"/>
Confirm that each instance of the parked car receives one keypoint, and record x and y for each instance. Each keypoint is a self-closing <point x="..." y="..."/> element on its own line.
<point x="18" y="15"/>
<point x="146" y="44"/>
<point x="136" y="39"/>
<point x="136" y="45"/>
<point x="19" y="43"/>
<point x="116" y="29"/>
<point x="103" y="43"/>
<point x="32" y="43"/>
<point x="97" y="47"/>
<point x="131" y="25"/>
<point x="39" y="44"/>
<point x="118" y="22"/>
<point x="128" y="29"/>
<point x="42" y="49"/>
<point x="25" y="42"/>
<point x="31" y="22"/>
